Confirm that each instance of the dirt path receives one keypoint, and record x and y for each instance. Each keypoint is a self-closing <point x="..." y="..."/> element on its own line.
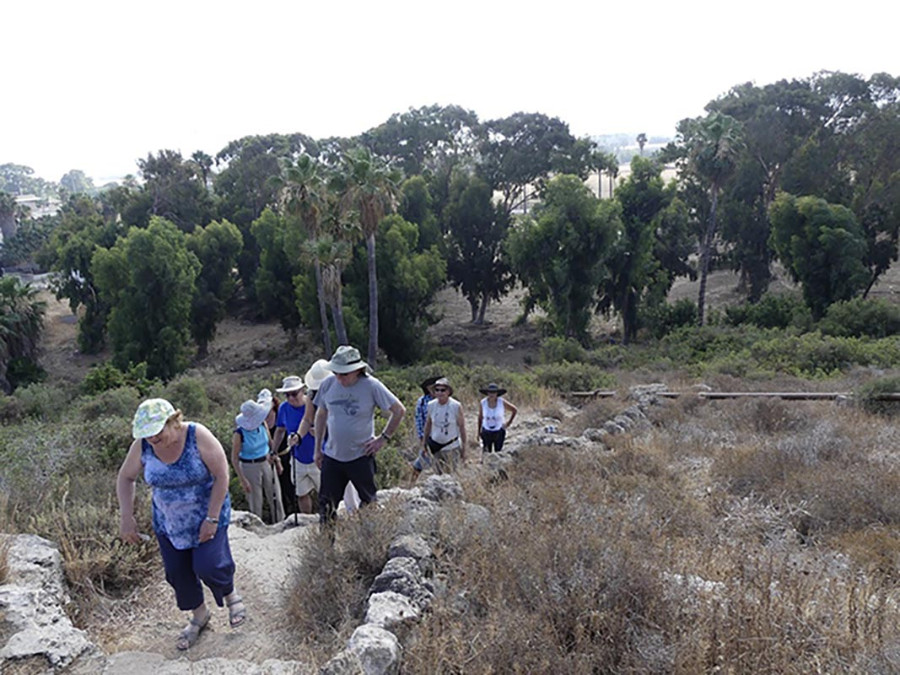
<point x="150" y="621"/>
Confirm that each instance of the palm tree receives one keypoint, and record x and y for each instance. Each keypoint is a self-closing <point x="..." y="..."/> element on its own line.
<point x="368" y="187"/>
<point x="21" y="323"/>
<point x="303" y="194"/>
<point x="712" y="145"/>
<point x="641" y="141"/>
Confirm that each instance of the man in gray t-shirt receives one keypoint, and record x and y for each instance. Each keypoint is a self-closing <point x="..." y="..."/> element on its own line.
<point x="346" y="405"/>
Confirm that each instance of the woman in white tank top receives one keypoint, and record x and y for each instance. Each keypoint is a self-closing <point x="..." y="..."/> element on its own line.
<point x="492" y="422"/>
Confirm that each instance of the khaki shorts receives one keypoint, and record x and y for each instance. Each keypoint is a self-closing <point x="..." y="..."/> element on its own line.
<point x="307" y="477"/>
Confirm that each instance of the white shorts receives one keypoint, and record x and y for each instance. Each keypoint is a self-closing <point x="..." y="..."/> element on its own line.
<point x="306" y="477"/>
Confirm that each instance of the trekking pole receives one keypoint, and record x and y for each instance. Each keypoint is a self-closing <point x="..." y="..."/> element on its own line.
<point x="294" y="486"/>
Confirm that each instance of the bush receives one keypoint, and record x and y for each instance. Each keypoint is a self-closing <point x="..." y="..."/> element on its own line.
<point x="861" y="318"/>
<point x="772" y="311"/>
<point x="188" y="394"/>
<point x="44" y="401"/>
<point x="106" y="376"/>
<point x="119" y="402"/>
<point x="868" y="396"/>
<point x="566" y="377"/>
<point x="660" y="320"/>
<point x="557" y="349"/>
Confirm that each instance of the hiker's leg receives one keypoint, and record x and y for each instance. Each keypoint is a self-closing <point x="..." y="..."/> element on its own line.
<point x="180" y="574"/>
<point x="214" y="565"/>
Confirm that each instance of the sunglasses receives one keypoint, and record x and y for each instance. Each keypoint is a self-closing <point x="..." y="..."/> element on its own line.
<point x="441" y="389"/>
<point x="292" y="394"/>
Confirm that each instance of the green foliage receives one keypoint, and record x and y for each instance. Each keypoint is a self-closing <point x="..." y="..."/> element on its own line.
<point x="188" y="394"/>
<point x="476" y="229"/>
<point x="43" y="401"/>
<point x="217" y="247"/>
<point x="408" y="281"/>
<point x="867" y="395"/>
<point x="274" y="285"/>
<point x="560" y="253"/>
<point x="148" y="279"/>
<point x="822" y="245"/>
<point x="555" y="349"/>
<point x="21" y="324"/>
<point x="565" y="377"/>
<point x="772" y="311"/>
<point x="106" y="376"/>
<point x="861" y="318"/>
<point x="116" y="402"/>
<point x="661" y="319"/>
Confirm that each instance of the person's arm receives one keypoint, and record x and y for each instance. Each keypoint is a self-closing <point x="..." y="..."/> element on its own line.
<point x="321" y="422"/>
<point x="128" y="473"/>
<point x="514" y="409"/>
<point x="373" y="445"/>
<point x="237" y="442"/>
<point x="480" y="424"/>
<point x="279" y="436"/>
<point x="306" y="424"/>
<point x="461" y="423"/>
<point x="213" y="456"/>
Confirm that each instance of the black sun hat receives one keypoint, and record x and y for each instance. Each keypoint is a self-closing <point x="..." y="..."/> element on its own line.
<point x="429" y="382"/>
<point x="492" y="388"/>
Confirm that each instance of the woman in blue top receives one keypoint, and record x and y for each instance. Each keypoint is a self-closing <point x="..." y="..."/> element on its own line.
<point x="188" y="470"/>
<point x="254" y="461"/>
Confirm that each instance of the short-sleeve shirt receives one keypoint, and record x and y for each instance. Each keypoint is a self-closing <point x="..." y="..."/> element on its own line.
<point x="181" y="493"/>
<point x="351" y="414"/>
<point x="290" y="417"/>
<point x="444" y="420"/>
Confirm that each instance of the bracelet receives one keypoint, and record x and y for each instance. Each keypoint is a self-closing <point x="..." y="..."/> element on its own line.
<point x="385" y="435"/>
<point x="214" y="521"/>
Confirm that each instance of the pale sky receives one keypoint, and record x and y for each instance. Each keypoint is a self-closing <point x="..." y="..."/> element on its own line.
<point x="96" y="84"/>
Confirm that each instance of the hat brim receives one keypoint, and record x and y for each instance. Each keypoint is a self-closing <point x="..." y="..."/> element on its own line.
<point x="251" y="422"/>
<point x="343" y="369"/>
<point x="499" y="392"/>
<point x="148" y="430"/>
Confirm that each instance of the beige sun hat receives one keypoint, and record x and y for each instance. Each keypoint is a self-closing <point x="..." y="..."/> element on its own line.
<point x="290" y="383"/>
<point x="316" y="373"/>
<point x="444" y="382"/>
<point x="252" y="415"/>
<point x="346" y="360"/>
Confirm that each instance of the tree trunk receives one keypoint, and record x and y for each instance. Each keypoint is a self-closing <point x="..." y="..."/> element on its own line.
<point x="323" y="312"/>
<point x="482" y="309"/>
<point x="473" y="307"/>
<point x="340" y="330"/>
<point x="373" y="300"/>
<point x="705" y="254"/>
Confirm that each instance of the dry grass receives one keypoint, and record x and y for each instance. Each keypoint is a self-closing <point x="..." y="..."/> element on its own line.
<point x="734" y="538"/>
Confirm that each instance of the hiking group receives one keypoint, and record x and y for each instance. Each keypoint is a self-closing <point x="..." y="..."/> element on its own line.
<point x="324" y="430"/>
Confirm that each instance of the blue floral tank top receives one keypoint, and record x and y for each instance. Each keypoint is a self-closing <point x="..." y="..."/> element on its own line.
<point x="181" y="492"/>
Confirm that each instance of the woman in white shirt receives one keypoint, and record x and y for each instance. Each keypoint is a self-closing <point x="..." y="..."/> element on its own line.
<point x="445" y="428"/>
<point x="492" y="422"/>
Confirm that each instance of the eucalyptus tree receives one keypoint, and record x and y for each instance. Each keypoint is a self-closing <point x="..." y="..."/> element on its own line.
<point x="476" y="228"/>
<point x="560" y="253"/>
<point x="519" y="153"/>
<point x="368" y="187"/>
<point x="148" y="280"/>
<point x="173" y="190"/>
<point x="822" y="246"/>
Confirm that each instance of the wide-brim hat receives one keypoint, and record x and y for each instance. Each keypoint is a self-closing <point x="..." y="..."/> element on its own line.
<point x="264" y="396"/>
<point x="444" y="382"/>
<point x="252" y="415"/>
<point x="346" y="360"/>
<point x="151" y="417"/>
<point x="492" y="388"/>
<point x="316" y="374"/>
<point x="290" y="383"/>
<point x="428" y="383"/>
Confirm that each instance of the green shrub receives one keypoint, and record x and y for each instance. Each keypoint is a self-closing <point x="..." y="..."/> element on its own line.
<point x="557" y="349"/>
<point x="660" y="320"/>
<point x="118" y="402"/>
<point x="188" y="394"/>
<point x="867" y="396"/>
<point x="861" y="318"/>
<point x="106" y="376"/>
<point x="44" y="401"/>
<point x="564" y="377"/>
<point x="772" y="311"/>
